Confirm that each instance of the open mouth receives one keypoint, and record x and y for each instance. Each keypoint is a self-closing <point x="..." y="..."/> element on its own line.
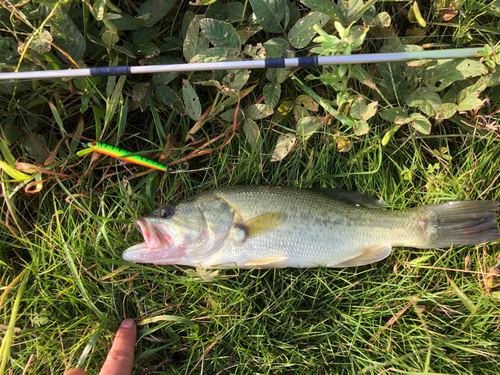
<point x="154" y="236"/>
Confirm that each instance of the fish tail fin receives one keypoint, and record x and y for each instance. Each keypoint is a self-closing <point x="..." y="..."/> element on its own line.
<point x="459" y="223"/>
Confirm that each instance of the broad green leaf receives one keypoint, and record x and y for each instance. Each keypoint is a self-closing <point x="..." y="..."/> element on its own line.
<point x="191" y="100"/>
<point x="186" y="22"/>
<point x="358" y="106"/>
<point x="396" y="115"/>
<point x="420" y="123"/>
<point x="219" y="33"/>
<point x="380" y="20"/>
<point x="124" y="21"/>
<point x="125" y="51"/>
<point x="147" y="49"/>
<point x="221" y="53"/>
<point x="272" y="94"/>
<point x="252" y="133"/>
<point x="351" y="9"/>
<point x="157" y="10"/>
<point x="275" y="47"/>
<point x="325" y="6"/>
<point x="98" y="9"/>
<point x="347" y="121"/>
<point x="361" y="111"/>
<point x="229" y="115"/>
<point x="34" y="148"/>
<point x="302" y="32"/>
<point x="425" y="99"/>
<point x="144" y="34"/>
<point x="110" y="38"/>
<point x="277" y="76"/>
<point x="294" y="12"/>
<point x="446" y="72"/>
<point x="194" y="43"/>
<point x="361" y="127"/>
<point x="490" y="79"/>
<point x="233" y="11"/>
<point x="270" y="13"/>
<point x="307" y="126"/>
<point x="469" y="103"/>
<point x="170" y="98"/>
<point x="300" y="112"/>
<point x="8" y="51"/>
<point x="236" y="79"/>
<point x="307" y="102"/>
<point x="215" y="11"/>
<point x="473" y="90"/>
<point x="67" y="36"/>
<point x="258" y="111"/>
<point x="446" y="110"/>
<point x="41" y="43"/>
<point x="171" y="44"/>
<point x="283" y="147"/>
<point x="363" y="77"/>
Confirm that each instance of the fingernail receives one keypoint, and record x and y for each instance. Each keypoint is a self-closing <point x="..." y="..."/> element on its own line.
<point x="127" y="323"/>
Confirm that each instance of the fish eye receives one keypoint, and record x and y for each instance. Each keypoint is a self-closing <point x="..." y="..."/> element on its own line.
<point x="166" y="212"/>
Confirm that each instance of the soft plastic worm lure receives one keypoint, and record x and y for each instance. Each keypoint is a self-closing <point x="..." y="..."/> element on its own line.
<point x="118" y="153"/>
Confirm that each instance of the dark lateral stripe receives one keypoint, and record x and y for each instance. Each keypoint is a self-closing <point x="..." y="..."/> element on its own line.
<point x="308" y="61"/>
<point x="110" y="71"/>
<point x="274" y="63"/>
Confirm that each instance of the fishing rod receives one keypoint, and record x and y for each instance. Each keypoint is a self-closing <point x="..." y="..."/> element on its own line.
<point x="295" y="62"/>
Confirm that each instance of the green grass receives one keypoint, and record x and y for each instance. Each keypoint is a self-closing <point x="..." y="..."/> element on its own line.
<point x="416" y="312"/>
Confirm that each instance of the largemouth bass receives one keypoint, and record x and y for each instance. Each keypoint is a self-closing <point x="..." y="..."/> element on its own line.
<point x="267" y="227"/>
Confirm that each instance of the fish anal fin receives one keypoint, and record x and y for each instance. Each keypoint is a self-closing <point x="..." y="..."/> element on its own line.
<point x="264" y="263"/>
<point x="369" y="255"/>
<point x="261" y="224"/>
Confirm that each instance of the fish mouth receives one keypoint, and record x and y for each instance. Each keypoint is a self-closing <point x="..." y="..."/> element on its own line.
<point x="155" y="236"/>
<point x="158" y="243"/>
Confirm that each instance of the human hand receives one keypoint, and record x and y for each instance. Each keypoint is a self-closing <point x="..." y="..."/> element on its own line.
<point x="120" y="358"/>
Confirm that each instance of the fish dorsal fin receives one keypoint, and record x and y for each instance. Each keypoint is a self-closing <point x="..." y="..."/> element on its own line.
<point x="353" y="197"/>
<point x="261" y="224"/>
<point x="369" y="255"/>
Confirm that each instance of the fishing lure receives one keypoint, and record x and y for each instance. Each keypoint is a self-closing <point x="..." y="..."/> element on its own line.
<point x="118" y="153"/>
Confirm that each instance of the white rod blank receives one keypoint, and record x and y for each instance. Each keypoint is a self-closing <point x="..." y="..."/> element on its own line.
<point x="248" y="64"/>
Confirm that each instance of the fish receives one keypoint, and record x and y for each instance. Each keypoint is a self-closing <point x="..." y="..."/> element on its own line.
<point x="259" y="226"/>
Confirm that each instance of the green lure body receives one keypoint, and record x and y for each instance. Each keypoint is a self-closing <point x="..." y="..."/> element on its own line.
<point x="118" y="153"/>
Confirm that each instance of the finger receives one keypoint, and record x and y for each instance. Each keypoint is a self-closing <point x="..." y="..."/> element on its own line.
<point x="121" y="356"/>
<point x="75" y="371"/>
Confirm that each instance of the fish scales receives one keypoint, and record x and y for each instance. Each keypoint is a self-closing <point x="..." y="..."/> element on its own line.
<point x="318" y="230"/>
<point x="266" y="227"/>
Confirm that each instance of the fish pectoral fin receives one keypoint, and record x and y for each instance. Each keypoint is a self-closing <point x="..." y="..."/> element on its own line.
<point x="261" y="224"/>
<point x="261" y="263"/>
<point x="369" y="255"/>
